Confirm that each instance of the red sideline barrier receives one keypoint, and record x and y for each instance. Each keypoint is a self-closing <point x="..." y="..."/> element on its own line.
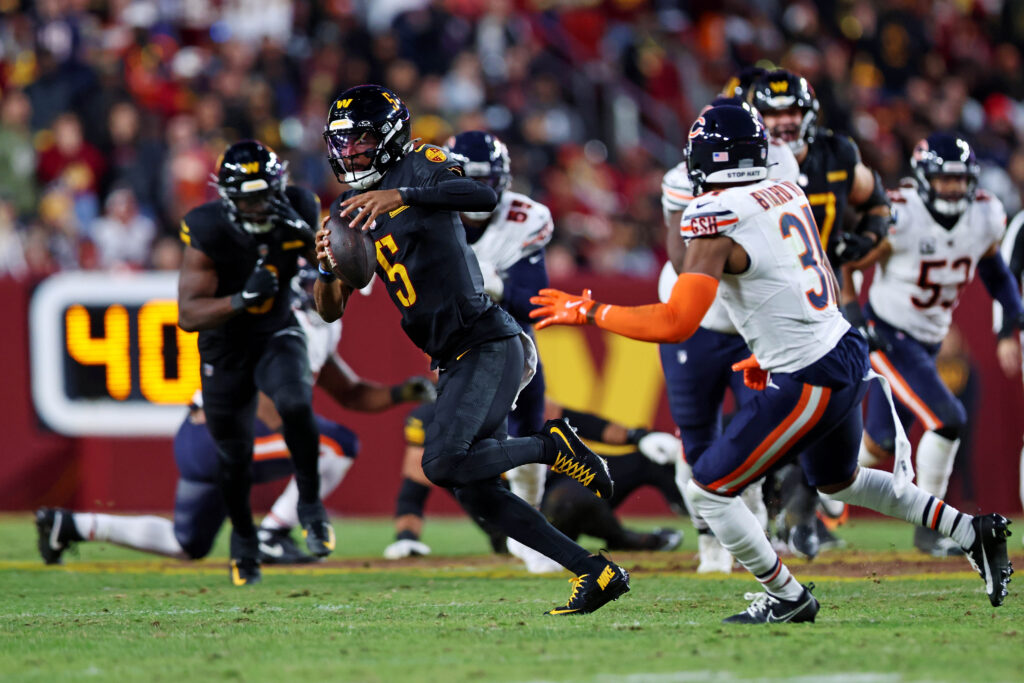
<point x="585" y="369"/>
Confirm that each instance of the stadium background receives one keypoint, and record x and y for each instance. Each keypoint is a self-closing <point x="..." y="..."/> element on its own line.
<point x="112" y="115"/>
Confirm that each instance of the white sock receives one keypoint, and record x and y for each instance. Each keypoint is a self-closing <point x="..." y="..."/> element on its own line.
<point x="866" y="458"/>
<point x="147" y="533"/>
<point x="684" y="473"/>
<point x="527" y="482"/>
<point x="737" y="530"/>
<point x="935" y="455"/>
<point x="283" y="514"/>
<point x="873" y="489"/>
<point x="753" y="498"/>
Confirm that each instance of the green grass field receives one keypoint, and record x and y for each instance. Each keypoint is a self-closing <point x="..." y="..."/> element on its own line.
<point x="110" y="614"/>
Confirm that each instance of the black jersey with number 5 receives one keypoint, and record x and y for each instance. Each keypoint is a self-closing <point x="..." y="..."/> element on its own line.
<point x="429" y="270"/>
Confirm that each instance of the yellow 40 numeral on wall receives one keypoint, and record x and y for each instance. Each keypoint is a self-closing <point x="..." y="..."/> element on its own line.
<point x="395" y="271"/>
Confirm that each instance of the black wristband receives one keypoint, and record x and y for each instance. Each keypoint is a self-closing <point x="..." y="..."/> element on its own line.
<point x="237" y="302"/>
<point x="396" y="393"/>
<point x="633" y="436"/>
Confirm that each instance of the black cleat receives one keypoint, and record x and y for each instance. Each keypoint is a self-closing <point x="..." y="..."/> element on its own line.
<point x="592" y="590"/>
<point x="277" y="547"/>
<point x="667" y="539"/>
<point x="931" y="542"/>
<point x="826" y="539"/>
<point x="988" y="555"/>
<point x="803" y="541"/>
<point x="245" y="560"/>
<point x="316" y="529"/>
<point x="577" y="461"/>
<point x="767" y="609"/>
<point x="56" y="533"/>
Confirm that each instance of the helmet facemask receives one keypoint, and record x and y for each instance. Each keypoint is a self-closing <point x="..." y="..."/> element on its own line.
<point x="359" y="156"/>
<point x="947" y="175"/>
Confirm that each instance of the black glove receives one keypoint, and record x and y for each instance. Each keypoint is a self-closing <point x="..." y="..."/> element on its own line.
<point x="261" y="285"/>
<point x="853" y="247"/>
<point x="876" y="341"/>
<point x="416" y="388"/>
<point x="285" y="214"/>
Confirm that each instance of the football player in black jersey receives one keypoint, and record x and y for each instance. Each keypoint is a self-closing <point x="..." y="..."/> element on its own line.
<point x="835" y="181"/>
<point x="238" y="249"/>
<point x="409" y="197"/>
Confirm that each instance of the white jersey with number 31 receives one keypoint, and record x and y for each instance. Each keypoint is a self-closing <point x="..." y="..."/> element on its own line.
<point x="917" y="287"/>
<point x="785" y="303"/>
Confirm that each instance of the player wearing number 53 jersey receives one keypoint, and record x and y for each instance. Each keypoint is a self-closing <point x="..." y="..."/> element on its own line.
<point x="945" y="230"/>
<point x="753" y="240"/>
<point x="408" y="198"/>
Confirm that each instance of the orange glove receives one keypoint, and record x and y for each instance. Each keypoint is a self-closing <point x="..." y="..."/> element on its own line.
<point x="753" y="376"/>
<point x="561" y="308"/>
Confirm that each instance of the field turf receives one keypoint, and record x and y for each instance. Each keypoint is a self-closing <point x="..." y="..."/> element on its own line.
<point x="462" y="614"/>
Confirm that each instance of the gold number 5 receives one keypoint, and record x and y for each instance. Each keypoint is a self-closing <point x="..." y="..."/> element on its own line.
<point x="395" y="271"/>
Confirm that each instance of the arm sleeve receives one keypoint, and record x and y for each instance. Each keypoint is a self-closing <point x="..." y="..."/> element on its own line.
<point x="588" y="426"/>
<point x="453" y="194"/>
<point x="524" y="279"/>
<point x="1001" y="286"/>
<point x="674" y="321"/>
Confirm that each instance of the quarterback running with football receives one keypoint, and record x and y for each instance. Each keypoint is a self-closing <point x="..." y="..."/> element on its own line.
<point x="754" y="241"/>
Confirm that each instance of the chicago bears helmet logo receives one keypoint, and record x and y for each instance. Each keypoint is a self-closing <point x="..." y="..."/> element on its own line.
<point x="697" y="128"/>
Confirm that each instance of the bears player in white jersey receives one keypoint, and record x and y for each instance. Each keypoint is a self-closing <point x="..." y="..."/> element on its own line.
<point x="509" y="245"/>
<point x="945" y="230"/>
<point x="698" y="370"/>
<point x="755" y="240"/>
<point x="199" y="509"/>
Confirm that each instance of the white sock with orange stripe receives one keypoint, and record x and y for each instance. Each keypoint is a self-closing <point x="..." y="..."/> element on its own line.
<point x="935" y="456"/>
<point x="738" y="531"/>
<point x="147" y="532"/>
<point x="874" y="490"/>
<point x="283" y="514"/>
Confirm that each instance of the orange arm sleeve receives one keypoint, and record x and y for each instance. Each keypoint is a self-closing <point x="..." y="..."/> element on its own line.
<point x="671" y="322"/>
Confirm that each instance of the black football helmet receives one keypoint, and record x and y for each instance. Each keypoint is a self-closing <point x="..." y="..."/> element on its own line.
<point x="367" y="132"/>
<point x="945" y="154"/>
<point x="779" y="90"/>
<point x="249" y="177"/>
<point x="727" y="145"/>
<point x="484" y="157"/>
<point x="739" y="85"/>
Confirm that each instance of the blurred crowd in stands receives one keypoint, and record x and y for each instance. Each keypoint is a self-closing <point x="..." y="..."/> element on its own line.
<point x="113" y="114"/>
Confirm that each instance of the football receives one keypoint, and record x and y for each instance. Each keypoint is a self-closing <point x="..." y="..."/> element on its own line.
<point x="352" y="254"/>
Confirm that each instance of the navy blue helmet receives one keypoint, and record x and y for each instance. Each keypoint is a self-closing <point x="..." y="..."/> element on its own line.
<point x="727" y="145"/>
<point x="484" y="157"/>
<point x="249" y="176"/>
<point x="367" y="132"/>
<point x="945" y="154"/>
<point x="739" y="85"/>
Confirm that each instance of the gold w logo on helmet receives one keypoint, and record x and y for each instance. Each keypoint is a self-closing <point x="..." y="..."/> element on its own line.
<point x="250" y="166"/>
<point x="779" y="86"/>
<point x="342" y="104"/>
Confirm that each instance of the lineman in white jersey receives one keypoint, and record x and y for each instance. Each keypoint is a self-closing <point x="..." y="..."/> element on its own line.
<point x="698" y="370"/>
<point x="509" y="245"/>
<point x="945" y="230"/>
<point x="1013" y="253"/>
<point x="756" y="241"/>
<point x="199" y="509"/>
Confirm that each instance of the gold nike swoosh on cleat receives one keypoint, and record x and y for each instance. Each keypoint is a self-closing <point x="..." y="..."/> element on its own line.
<point x="556" y="430"/>
<point x="563" y="611"/>
<point x="236" y="578"/>
<point x="330" y="543"/>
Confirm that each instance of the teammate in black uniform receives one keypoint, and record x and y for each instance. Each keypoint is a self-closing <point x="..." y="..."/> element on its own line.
<point x="238" y="250"/>
<point x="836" y="183"/>
<point x="483" y="356"/>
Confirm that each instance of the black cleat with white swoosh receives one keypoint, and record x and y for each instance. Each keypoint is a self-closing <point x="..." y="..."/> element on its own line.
<point x="765" y="608"/>
<point x="56" y="532"/>
<point x="278" y="547"/>
<point x="577" y="461"/>
<point x="988" y="555"/>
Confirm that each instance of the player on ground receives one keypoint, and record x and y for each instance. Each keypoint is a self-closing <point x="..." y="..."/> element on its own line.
<point x="755" y="239"/>
<point x="238" y="249"/>
<point x="407" y="197"/>
<point x="945" y="230"/>
<point x="836" y="183"/>
<point x="199" y="509"/>
<point x="698" y="370"/>
<point x="566" y="504"/>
